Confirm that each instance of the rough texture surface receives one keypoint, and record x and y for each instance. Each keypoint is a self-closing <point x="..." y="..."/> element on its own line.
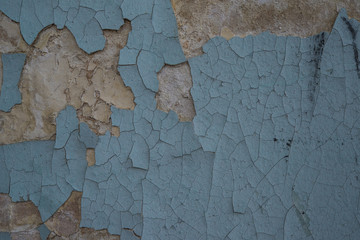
<point x="21" y="218"/>
<point x="66" y="221"/>
<point x="201" y="20"/>
<point x="174" y="91"/>
<point x="272" y="152"/>
<point x="58" y="73"/>
<point x="26" y="235"/>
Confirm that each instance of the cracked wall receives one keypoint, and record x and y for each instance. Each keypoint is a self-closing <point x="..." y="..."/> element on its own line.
<point x="199" y="20"/>
<point x="90" y="83"/>
<point x="270" y="149"/>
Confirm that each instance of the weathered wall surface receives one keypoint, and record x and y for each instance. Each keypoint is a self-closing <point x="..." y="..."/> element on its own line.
<point x="57" y="73"/>
<point x="273" y="143"/>
<point x="199" y="20"/>
<point x="55" y="56"/>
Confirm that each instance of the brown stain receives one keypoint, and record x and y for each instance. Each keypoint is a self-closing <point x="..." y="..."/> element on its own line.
<point x="66" y="220"/>
<point x="17" y="216"/>
<point x="65" y="223"/>
<point x="295" y="16"/>
<point x="3" y="33"/>
<point x="24" y="216"/>
<point x="5" y="202"/>
<point x="32" y="234"/>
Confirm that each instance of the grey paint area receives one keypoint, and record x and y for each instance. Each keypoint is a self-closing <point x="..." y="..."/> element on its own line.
<point x="282" y="116"/>
<point x="271" y="154"/>
<point x="12" y="67"/>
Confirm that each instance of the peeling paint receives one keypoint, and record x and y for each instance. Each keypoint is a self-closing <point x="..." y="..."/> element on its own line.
<point x="46" y="172"/>
<point x="85" y="19"/>
<point x="276" y="111"/>
<point x="272" y="152"/>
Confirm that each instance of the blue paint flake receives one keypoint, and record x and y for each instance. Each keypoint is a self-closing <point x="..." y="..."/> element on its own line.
<point x="66" y="123"/>
<point x="44" y="231"/>
<point x="12" y="67"/>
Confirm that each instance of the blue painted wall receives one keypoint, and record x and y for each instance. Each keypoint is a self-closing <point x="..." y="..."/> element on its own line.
<point x="272" y="152"/>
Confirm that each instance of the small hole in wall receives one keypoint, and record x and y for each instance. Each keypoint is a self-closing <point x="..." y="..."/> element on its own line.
<point x="115" y="131"/>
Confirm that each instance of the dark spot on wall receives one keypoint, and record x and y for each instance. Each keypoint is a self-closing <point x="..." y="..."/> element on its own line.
<point x="350" y="27"/>
<point x="318" y="48"/>
<point x="355" y="49"/>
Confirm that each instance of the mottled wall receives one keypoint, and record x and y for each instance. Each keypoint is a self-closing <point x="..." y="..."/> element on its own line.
<point x="58" y="73"/>
<point x="56" y="52"/>
<point x="200" y="20"/>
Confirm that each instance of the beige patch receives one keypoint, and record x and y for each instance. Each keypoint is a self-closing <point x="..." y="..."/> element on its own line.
<point x="115" y="131"/>
<point x="66" y="220"/>
<point x="58" y="73"/>
<point x="174" y="91"/>
<point x="17" y="217"/>
<point x="90" y="156"/>
<point x="32" y="234"/>
<point x="65" y="223"/>
<point x="5" y="203"/>
<point x="226" y="33"/>
<point x="200" y="20"/>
